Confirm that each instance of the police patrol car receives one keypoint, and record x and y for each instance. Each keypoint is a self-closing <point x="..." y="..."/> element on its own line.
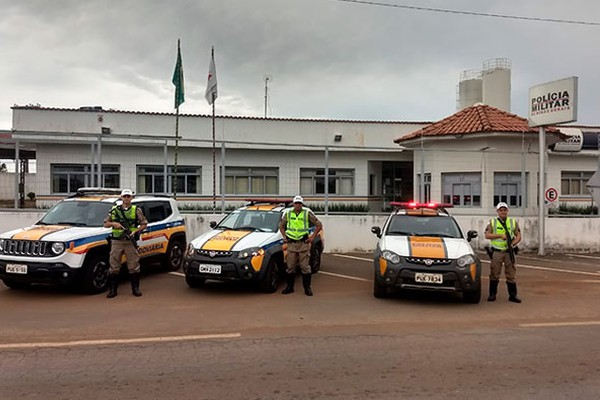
<point x="245" y="246"/>
<point x="69" y="245"/>
<point x="422" y="247"/>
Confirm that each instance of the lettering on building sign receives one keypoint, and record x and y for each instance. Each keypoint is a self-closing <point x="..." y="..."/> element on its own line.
<point x="550" y="102"/>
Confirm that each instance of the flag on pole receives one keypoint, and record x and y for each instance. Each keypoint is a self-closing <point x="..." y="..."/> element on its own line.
<point x="211" y="85"/>
<point x="178" y="78"/>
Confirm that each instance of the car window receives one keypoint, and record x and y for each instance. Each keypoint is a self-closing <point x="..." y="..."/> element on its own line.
<point x="155" y="211"/>
<point x="265" y="221"/>
<point x="412" y="225"/>
<point x="77" y="213"/>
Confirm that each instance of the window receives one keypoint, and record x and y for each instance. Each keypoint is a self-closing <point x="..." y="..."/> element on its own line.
<point x="462" y="189"/>
<point x="427" y="187"/>
<point x="246" y="180"/>
<point x="508" y="188"/>
<point x="341" y="181"/>
<point x="67" y="178"/>
<point x="573" y="183"/>
<point x="155" y="211"/>
<point x="150" y="179"/>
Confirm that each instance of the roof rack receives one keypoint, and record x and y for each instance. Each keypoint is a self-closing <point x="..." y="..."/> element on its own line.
<point x="95" y="191"/>
<point x="255" y="201"/>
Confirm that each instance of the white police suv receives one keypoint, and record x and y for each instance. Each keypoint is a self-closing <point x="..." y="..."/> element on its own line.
<point x="70" y="246"/>
<point x="421" y="247"/>
<point x="245" y="246"/>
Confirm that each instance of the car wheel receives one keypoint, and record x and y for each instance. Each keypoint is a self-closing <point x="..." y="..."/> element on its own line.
<point x="379" y="291"/>
<point x="174" y="256"/>
<point x="472" y="296"/>
<point x="315" y="258"/>
<point x="194" y="282"/>
<point x="95" y="275"/>
<point x="16" y="285"/>
<point x="270" y="282"/>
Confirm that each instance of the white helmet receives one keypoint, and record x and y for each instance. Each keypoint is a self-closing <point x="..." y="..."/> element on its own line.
<point x="298" y="199"/>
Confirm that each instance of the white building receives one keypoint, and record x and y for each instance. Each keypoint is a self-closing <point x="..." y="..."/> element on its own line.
<point x="473" y="159"/>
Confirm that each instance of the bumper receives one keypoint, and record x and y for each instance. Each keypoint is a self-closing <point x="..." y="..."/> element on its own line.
<point x="54" y="273"/>
<point x="231" y="269"/>
<point x="453" y="279"/>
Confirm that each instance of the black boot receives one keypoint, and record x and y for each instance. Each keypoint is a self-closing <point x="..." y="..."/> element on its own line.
<point x="135" y="285"/>
<point x="289" y="279"/>
<point x="512" y="292"/>
<point x="113" y="283"/>
<point x="493" y="291"/>
<point x="306" y="278"/>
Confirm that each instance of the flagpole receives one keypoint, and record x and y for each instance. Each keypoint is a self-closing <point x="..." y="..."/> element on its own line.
<point x="176" y="151"/>
<point x="214" y="156"/>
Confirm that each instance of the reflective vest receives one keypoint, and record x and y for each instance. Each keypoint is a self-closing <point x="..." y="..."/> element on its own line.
<point x="117" y="214"/>
<point x="297" y="225"/>
<point x="498" y="229"/>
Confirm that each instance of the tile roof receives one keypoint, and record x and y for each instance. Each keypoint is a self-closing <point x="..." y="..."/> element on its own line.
<point x="110" y="110"/>
<point x="479" y="118"/>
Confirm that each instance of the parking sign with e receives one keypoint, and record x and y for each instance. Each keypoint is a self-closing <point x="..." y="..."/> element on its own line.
<point x="551" y="195"/>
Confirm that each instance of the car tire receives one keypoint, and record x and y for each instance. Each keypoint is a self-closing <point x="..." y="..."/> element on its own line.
<point x="16" y="285"/>
<point x="315" y="258"/>
<point x="174" y="255"/>
<point x="379" y="291"/>
<point x="95" y="277"/>
<point x="472" y="296"/>
<point x="270" y="281"/>
<point x="194" y="283"/>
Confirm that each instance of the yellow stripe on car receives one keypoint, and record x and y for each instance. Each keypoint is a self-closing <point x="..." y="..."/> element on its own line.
<point x="427" y="247"/>
<point x="37" y="232"/>
<point x="225" y="240"/>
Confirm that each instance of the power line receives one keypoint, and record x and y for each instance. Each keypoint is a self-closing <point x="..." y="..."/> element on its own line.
<point x="479" y="14"/>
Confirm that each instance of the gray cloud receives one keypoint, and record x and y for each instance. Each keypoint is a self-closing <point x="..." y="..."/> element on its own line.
<point x="328" y="59"/>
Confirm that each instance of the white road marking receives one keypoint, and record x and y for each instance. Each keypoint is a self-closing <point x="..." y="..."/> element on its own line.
<point x="353" y="257"/>
<point x="345" y="276"/>
<point x="569" y="271"/>
<point x="177" y="273"/>
<point x="557" y="324"/>
<point x="101" y="342"/>
<point x="583" y="256"/>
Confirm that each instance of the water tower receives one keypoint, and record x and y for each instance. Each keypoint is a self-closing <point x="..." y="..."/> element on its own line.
<point x="490" y="85"/>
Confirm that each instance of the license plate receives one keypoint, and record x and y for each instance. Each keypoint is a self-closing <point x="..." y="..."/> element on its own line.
<point x="428" y="278"/>
<point x="210" y="269"/>
<point x="16" y="269"/>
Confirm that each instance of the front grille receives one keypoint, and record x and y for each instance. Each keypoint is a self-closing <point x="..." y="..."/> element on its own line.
<point x="214" y="253"/>
<point x="428" y="261"/>
<point x="26" y="248"/>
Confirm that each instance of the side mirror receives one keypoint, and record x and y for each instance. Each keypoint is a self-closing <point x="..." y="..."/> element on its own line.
<point x="471" y="235"/>
<point x="212" y="224"/>
<point x="376" y="230"/>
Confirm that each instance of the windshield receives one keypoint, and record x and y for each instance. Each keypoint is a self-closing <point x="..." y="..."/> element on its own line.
<point x="264" y="221"/>
<point x="77" y="213"/>
<point x="413" y="225"/>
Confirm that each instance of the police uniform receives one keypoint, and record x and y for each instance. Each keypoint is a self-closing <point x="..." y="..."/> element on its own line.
<point x="501" y="255"/>
<point x="295" y="227"/>
<point x="122" y="244"/>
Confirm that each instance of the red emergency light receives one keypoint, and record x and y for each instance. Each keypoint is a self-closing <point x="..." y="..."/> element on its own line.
<point x="413" y="204"/>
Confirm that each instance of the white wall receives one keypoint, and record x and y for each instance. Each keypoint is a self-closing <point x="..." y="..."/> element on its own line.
<point x="8" y="188"/>
<point x="348" y="233"/>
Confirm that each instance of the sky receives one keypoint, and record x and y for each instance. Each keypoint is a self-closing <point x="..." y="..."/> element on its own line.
<point x="325" y="58"/>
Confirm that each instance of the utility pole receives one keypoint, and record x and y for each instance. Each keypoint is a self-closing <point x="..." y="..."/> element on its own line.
<point x="267" y="78"/>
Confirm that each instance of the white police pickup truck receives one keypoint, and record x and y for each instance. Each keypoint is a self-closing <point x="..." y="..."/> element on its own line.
<point x="421" y="247"/>
<point x="70" y="246"/>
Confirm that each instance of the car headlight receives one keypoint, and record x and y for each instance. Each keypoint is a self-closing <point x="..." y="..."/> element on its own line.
<point x="190" y="250"/>
<point x="391" y="256"/>
<point x="57" y="248"/>
<point x="465" y="261"/>
<point x="251" y="252"/>
<point x="1" y="244"/>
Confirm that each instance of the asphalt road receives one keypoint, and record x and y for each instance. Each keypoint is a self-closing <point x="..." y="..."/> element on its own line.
<point x="227" y="341"/>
